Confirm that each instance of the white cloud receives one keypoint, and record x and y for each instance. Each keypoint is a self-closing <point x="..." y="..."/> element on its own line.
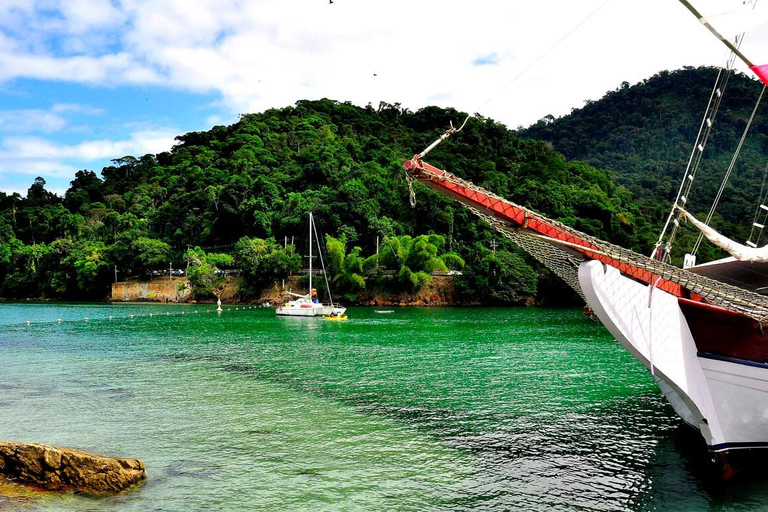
<point x="268" y="53"/>
<point x="24" y="158"/>
<point x="138" y="143"/>
<point x="257" y="54"/>
<point x="30" y="120"/>
<point x="87" y="15"/>
<point x="119" y="68"/>
<point x="39" y="120"/>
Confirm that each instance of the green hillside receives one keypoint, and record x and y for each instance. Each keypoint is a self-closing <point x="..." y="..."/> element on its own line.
<point x="237" y="197"/>
<point x="643" y="135"/>
<point x="238" y="193"/>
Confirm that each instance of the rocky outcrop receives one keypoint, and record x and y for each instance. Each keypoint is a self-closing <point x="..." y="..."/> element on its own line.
<point x="438" y="292"/>
<point x="54" y="468"/>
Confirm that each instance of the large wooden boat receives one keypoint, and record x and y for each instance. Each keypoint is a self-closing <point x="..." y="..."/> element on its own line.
<point x="699" y="331"/>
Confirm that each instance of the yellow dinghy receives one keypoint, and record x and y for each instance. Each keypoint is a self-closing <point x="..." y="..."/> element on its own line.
<point x="338" y="318"/>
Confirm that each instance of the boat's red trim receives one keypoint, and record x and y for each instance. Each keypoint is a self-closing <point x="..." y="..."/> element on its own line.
<point x="448" y="184"/>
<point x="725" y="333"/>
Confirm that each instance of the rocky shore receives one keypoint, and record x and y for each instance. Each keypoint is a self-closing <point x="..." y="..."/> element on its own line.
<point x="63" y="469"/>
<point x="438" y="292"/>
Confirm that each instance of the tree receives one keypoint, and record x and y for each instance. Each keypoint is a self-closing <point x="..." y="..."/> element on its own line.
<point x="501" y="278"/>
<point x="205" y="272"/>
<point x="261" y="262"/>
<point x="346" y="270"/>
<point x="150" y="254"/>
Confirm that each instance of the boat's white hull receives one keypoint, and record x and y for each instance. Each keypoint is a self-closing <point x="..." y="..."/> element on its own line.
<point x="306" y="308"/>
<point x="724" y="398"/>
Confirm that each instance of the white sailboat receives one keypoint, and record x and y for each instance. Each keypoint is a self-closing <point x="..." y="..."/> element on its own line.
<point x="699" y="330"/>
<point x="309" y="304"/>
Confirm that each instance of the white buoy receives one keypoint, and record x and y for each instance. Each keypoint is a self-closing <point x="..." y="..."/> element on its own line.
<point x="150" y="315"/>
<point x="110" y="317"/>
<point x="58" y="320"/>
<point x="86" y="319"/>
<point x="131" y="316"/>
<point x="28" y="322"/>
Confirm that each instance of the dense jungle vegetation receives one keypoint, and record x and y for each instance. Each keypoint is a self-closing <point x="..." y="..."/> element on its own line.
<point x="237" y="197"/>
<point x="644" y="135"/>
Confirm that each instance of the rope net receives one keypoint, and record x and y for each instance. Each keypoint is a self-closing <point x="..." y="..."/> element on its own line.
<point x="562" y="249"/>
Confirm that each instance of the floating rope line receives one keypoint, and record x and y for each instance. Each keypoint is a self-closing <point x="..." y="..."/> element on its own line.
<point x="59" y="321"/>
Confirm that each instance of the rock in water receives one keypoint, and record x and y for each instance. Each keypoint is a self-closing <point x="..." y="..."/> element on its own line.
<point x="63" y="468"/>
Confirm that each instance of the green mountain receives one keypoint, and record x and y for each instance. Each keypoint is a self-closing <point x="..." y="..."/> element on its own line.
<point x="245" y="190"/>
<point x="644" y="134"/>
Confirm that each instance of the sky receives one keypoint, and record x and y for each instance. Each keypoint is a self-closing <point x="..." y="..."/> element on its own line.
<point x="83" y="82"/>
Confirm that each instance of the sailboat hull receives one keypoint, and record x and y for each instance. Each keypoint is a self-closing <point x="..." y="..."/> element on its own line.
<point x="724" y="397"/>
<point x="295" y="308"/>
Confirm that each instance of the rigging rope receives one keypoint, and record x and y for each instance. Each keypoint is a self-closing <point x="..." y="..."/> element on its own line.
<point x="543" y="55"/>
<point x="452" y="130"/>
<point x="322" y="264"/>
<point x="761" y="209"/>
<point x="729" y="171"/>
<point x="694" y="161"/>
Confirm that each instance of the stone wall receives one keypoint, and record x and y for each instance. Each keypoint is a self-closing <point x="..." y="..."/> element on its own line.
<point x="439" y="292"/>
<point x="161" y="289"/>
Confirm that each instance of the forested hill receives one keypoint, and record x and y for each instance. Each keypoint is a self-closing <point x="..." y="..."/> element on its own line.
<point x="643" y="135"/>
<point x="240" y="191"/>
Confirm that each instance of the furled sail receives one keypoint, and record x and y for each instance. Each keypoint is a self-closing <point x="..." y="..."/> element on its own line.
<point x="738" y="251"/>
<point x="729" y="21"/>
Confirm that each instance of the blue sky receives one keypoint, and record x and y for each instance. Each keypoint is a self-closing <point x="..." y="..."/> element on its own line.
<point x="86" y="81"/>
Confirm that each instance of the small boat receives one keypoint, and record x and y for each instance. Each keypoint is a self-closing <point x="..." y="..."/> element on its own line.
<point x="336" y="318"/>
<point x="383" y="311"/>
<point x="309" y="304"/>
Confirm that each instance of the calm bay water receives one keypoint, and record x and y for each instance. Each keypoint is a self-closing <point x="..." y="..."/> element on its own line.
<point x="422" y="409"/>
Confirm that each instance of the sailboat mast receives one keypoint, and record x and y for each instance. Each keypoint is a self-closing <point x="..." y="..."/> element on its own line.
<point x="717" y="34"/>
<point x="761" y="70"/>
<point x="311" y="227"/>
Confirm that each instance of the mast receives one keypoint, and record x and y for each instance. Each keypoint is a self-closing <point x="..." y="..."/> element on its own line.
<point x="311" y="228"/>
<point x="760" y="69"/>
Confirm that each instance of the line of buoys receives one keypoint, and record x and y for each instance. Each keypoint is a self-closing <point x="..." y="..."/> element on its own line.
<point x="152" y="315"/>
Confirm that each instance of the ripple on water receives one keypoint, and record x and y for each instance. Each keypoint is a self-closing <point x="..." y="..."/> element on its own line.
<point x="441" y="409"/>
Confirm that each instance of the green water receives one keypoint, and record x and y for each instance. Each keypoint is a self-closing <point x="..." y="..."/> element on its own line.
<point x="422" y="409"/>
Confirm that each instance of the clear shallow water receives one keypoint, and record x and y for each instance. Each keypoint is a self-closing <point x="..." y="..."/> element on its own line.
<point x="423" y="409"/>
